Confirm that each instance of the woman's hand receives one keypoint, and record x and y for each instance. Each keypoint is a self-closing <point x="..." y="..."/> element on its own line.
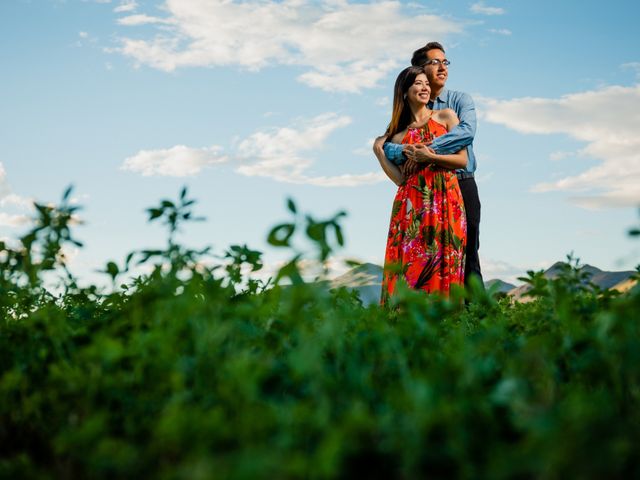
<point x="420" y="153"/>
<point x="390" y="169"/>
<point x="378" y="145"/>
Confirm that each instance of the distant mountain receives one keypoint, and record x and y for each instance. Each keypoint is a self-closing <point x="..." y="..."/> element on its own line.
<point x="367" y="280"/>
<point x="600" y="278"/>
<point x="502" y="286"/>
<point x="626" y="285"/>
<point x="619" y="280"/>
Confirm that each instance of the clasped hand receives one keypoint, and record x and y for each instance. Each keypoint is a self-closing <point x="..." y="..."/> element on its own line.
<point x="417" y="155"/>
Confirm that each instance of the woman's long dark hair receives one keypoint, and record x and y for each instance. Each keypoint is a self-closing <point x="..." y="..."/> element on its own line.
<point x="401" y="115"/>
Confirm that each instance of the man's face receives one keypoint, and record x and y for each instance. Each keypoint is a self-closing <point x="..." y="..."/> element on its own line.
<point x="437" y="74"/>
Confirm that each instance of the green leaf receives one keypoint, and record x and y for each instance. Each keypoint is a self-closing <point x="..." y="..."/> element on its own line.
<point x="339" y="236"/>
<point x="67" y="193"/>
<point x="291" y="271"/>
<point x="128" y="259"/>
<point x="154" y="213"/>
<point x="353" y="263"/>
<point x="291" y="206"/>
<point x="112" y="270"/>
<point x="147" y="254"/>
<point x="43" y="209"/>
<point x="316" y="230"/>
<point x="280" y="235"/>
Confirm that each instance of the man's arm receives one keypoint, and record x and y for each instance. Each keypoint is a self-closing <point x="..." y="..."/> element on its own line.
<point x="393" y="151"/>
<point x="462" y="135"/>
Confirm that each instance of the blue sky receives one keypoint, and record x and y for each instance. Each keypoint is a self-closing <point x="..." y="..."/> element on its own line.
<point x="248" y="103"/>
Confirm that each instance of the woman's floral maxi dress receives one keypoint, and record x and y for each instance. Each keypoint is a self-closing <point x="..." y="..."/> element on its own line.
<point x="427" y="235"/>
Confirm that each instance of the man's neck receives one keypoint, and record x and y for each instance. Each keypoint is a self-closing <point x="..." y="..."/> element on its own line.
<point x="435" y="93"/>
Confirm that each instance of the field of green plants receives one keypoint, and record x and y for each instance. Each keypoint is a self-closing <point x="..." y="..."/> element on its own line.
<point x="198" y="370"/>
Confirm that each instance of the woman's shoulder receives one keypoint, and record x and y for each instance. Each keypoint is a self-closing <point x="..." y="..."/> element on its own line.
<point x="398" y="137"/>
<point x="446" y="117"/>
<point x="445" y="114"/>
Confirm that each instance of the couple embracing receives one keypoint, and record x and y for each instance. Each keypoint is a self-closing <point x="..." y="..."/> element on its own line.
<point x="427" y="151"/>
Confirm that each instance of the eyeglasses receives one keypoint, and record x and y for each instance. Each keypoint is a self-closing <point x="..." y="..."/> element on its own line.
<point x="437" y="62"/>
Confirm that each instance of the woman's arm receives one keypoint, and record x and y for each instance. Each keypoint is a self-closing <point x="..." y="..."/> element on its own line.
<point x="389" y="168"/>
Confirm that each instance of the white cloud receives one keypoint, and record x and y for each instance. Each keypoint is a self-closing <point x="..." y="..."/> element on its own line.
<point x="310" y="268"/>
<point x="484" y="177"/>
<point x="498" y="269"/>
<point x="141" y="19"/>
<point x="273" y="151"/>
<point x="606" y="120"/>
<point x="500" y="31"/>
<point x="635" y="66"/>
<point x="13" y="220"/>
<point x="11" y="201"/>
<point x="283" y="154"/>
<point x="482" y="9"/>
<point x="177" y="161"/>
<point x="4" y="185"/>
<point x="344" y="46"/>
<point x="126" y="6"/>
<point x="561" y="155"/>
<point x="366" y="149"/>
<point x="351" y="78"/>
<point x="349" y="180"/>
<point x="84" y="38"/>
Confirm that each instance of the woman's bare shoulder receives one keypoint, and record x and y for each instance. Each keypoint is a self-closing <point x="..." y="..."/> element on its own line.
<point x="397" y="138"/>
<point x="445" y="114"/>
<point x="446" y="117"/>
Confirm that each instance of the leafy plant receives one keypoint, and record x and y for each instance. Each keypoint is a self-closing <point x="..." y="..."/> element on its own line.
<point x="195" y="370"/>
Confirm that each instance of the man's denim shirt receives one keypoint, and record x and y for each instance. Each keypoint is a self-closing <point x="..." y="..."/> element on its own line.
<point x="459" y="137"/>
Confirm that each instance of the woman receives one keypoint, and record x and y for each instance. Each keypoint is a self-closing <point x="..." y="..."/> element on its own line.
<point x="427" y="238"/>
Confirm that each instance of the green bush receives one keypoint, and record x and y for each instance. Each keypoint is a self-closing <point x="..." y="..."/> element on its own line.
<point x="197" y="371"/>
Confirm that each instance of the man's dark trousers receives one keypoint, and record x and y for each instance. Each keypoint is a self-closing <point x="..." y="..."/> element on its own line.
<point x="469" y="191"/>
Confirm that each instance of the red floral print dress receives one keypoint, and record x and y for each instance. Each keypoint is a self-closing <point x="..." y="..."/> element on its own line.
<point x="427" y="235"/>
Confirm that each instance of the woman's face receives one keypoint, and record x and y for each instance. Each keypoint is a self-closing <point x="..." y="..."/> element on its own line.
<point x="420" y="91"/>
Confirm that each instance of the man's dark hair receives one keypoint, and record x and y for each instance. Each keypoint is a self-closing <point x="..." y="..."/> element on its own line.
<point x="420" y="55"/>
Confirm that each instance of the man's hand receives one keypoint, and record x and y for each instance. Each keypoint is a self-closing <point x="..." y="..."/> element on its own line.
<point x="419" y="152"/>
<point x="410" y="167"/>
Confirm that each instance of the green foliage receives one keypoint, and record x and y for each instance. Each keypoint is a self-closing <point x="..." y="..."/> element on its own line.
<point x="197" y="370"/>
<point x="325" y="235"/>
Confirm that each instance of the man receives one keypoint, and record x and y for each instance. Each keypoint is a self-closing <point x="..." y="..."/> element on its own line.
<point x="432" y="56"/>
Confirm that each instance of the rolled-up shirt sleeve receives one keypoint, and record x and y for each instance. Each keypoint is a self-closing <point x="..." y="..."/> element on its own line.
<point x="393" y="151"/>
<point x="461" y="135"/>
